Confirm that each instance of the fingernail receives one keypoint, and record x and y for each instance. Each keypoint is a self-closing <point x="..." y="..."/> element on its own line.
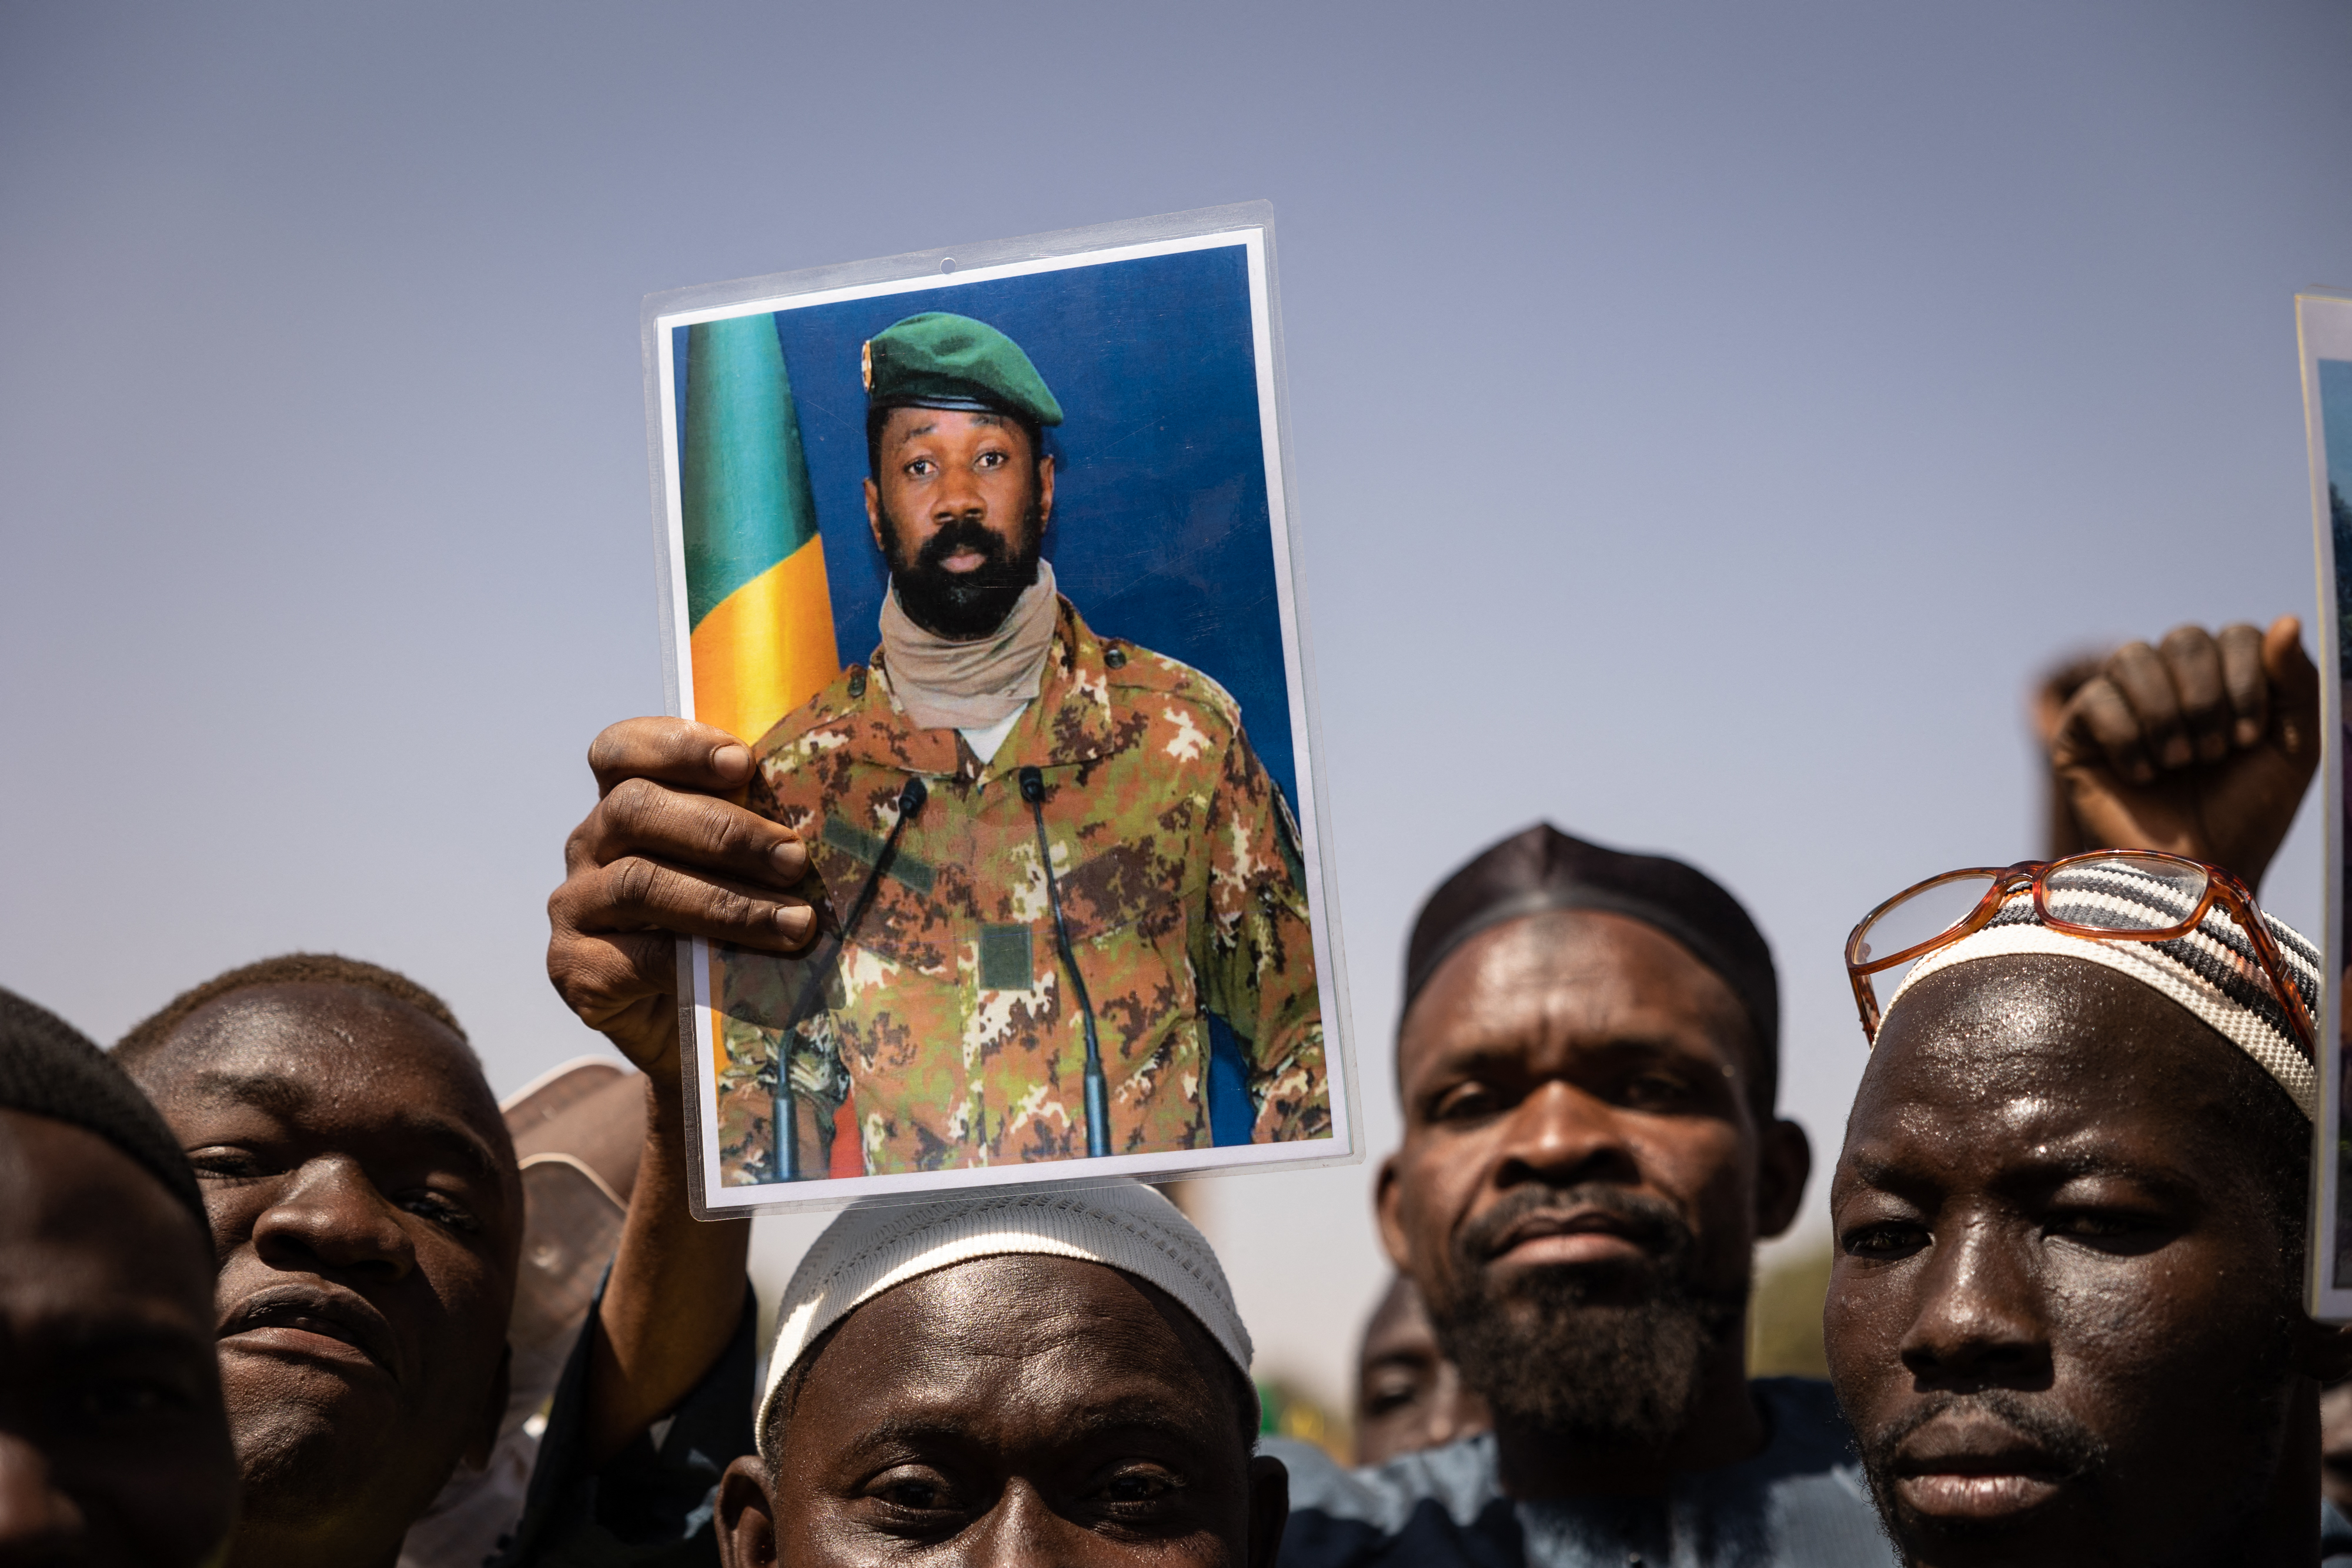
<point x="794" y="922"/>
<point x="2249" y="732"/>
<point x="2177" y="753"/>
<point x="731" y="762"/>
<point x="790" y="860"/>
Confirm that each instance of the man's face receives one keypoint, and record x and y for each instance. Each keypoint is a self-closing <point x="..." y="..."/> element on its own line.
<point x="2059" y="1318"/>
<point x="1096" y="1425"/>
<point x="959" y="512"/>
<point x="1583" y="1179"/>
<point x="113" y="1446"/>
<point x="366" y="1215"/>
<point x="1408" y="1395"/>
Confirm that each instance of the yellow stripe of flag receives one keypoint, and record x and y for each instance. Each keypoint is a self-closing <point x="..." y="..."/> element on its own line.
<point x="767" y="647"/>
<point x="761" y="620"/>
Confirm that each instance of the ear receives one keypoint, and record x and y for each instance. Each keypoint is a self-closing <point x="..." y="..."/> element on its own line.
<point x="1044" y="491"/>
<point x="1782" y="1163"/>
<point x="746" y="1521"/>
<point x="494" y="1412"/>
<point x="1388" y="1191"/>
<point x="1269" y="1509"/>
<point x="873" y="512"/>
<point x="2323" y="1351"/>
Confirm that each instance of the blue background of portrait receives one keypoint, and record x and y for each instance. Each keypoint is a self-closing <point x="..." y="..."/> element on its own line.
<point x="1161" y="532"/>
<point x="2335" y="436"/>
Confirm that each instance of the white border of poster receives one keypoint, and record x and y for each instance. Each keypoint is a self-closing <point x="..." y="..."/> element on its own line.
<point x="1248" y="225"/>
<point x="2324" y="329"/>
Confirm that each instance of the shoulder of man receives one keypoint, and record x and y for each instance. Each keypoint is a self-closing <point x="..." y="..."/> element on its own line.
<point x="1135" y="673"/>
<point x="651" y="1506"/>
<point x="842" y="697"/>
<point x="1439" y="1506"/>
<point x="2335" y="1537"/>
<point x="1808" y="1481"/>
<point x="1809" y="1430"/>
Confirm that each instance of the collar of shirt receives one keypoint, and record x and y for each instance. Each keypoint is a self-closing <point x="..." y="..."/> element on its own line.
<point x="1070" y="722"/>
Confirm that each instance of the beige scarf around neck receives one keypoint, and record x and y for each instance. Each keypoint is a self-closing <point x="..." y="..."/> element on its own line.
<point x="970" y="686"/>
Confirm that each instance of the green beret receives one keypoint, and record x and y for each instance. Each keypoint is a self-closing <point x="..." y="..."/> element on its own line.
<point x="938" y="361"/>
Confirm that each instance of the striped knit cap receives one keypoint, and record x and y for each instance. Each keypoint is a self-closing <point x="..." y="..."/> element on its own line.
<point x="871" y="1248"/>
<point x="2211" y="971"/>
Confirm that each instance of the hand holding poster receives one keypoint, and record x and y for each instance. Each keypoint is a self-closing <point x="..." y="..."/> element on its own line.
<point x="989" y="561"/>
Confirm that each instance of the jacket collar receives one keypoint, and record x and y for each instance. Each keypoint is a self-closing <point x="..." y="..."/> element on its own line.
<point x="1069" y="723"/>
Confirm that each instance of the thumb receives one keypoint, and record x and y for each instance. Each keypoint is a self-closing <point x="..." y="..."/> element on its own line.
<point x="2294" y="688"/>
<point x="2284" y="658"/>
<point x="2293" y="677"/>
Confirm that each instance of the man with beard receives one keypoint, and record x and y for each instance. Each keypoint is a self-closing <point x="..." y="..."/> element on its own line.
<point x="1042" y="857"/>
<point x="1588" y="1062"/>
<point x="2066" y="1315"/>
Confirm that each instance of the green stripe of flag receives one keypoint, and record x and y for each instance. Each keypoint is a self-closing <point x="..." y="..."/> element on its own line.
<point x="745" y="480"/>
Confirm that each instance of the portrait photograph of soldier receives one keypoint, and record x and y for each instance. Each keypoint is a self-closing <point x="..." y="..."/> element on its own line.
<point x="989" y="570"/>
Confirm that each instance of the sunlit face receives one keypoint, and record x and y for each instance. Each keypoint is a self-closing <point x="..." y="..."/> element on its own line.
<point x="367" y="1216"/>
<point x="1096" y="1425"/>
<point x="114" y="1448"/>
<point x="2060" y="1314"/>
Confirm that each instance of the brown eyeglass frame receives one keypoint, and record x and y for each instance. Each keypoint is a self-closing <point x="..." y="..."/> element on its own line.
<point x="2221" y="886"/>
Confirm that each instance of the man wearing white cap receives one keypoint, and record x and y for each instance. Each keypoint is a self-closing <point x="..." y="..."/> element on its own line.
<point x="2065" y="1319"/>
<point x="1052" y="1376"/>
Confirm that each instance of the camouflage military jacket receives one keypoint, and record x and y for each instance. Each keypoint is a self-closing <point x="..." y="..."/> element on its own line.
<point x="947" y="1024"/>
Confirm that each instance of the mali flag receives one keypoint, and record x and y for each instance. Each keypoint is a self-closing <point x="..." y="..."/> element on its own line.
<point x="755" y="589"/>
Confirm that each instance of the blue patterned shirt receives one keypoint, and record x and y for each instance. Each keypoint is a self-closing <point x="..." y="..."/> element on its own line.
<point x="1799" y="1503"/>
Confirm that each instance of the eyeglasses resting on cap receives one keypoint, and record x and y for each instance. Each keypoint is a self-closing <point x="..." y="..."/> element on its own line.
<point x="2103" y="901"/>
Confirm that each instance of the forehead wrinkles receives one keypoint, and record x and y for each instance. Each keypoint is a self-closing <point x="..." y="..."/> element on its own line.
<point x="360" y="1069"/>
<point x="332" y="1046"/>
<point x="1965" y="1097"/>
<point x="2011" y="1080"/>
<point x="911" y="424"/>
<point x="2047" y="1025"/>
<point x="1077" y="1304"/>
<point x="948" y="1334"/>
<point x="1547" y="980"/>
<point x="2023" y="1055"/>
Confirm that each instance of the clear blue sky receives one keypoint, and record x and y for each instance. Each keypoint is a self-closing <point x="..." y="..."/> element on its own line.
<point x="1707" y="417"/>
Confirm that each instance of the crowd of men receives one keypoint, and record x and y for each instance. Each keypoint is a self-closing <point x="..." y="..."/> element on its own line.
<point x="259" y="1283"/>
<point x="255" y="1288"/>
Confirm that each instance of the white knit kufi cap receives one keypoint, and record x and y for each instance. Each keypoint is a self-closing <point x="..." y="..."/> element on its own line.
<point x="870" y="1248"/>
<point x="2211" y="971"/>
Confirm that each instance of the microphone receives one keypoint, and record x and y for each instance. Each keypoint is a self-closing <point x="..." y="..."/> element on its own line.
<point x="1097" y="1088"/>
<point x="785" y="1117"/>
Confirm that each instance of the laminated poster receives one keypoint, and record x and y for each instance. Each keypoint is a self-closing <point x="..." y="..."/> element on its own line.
<point x="2323" y="323"/>
<point x="988" y="553"/>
